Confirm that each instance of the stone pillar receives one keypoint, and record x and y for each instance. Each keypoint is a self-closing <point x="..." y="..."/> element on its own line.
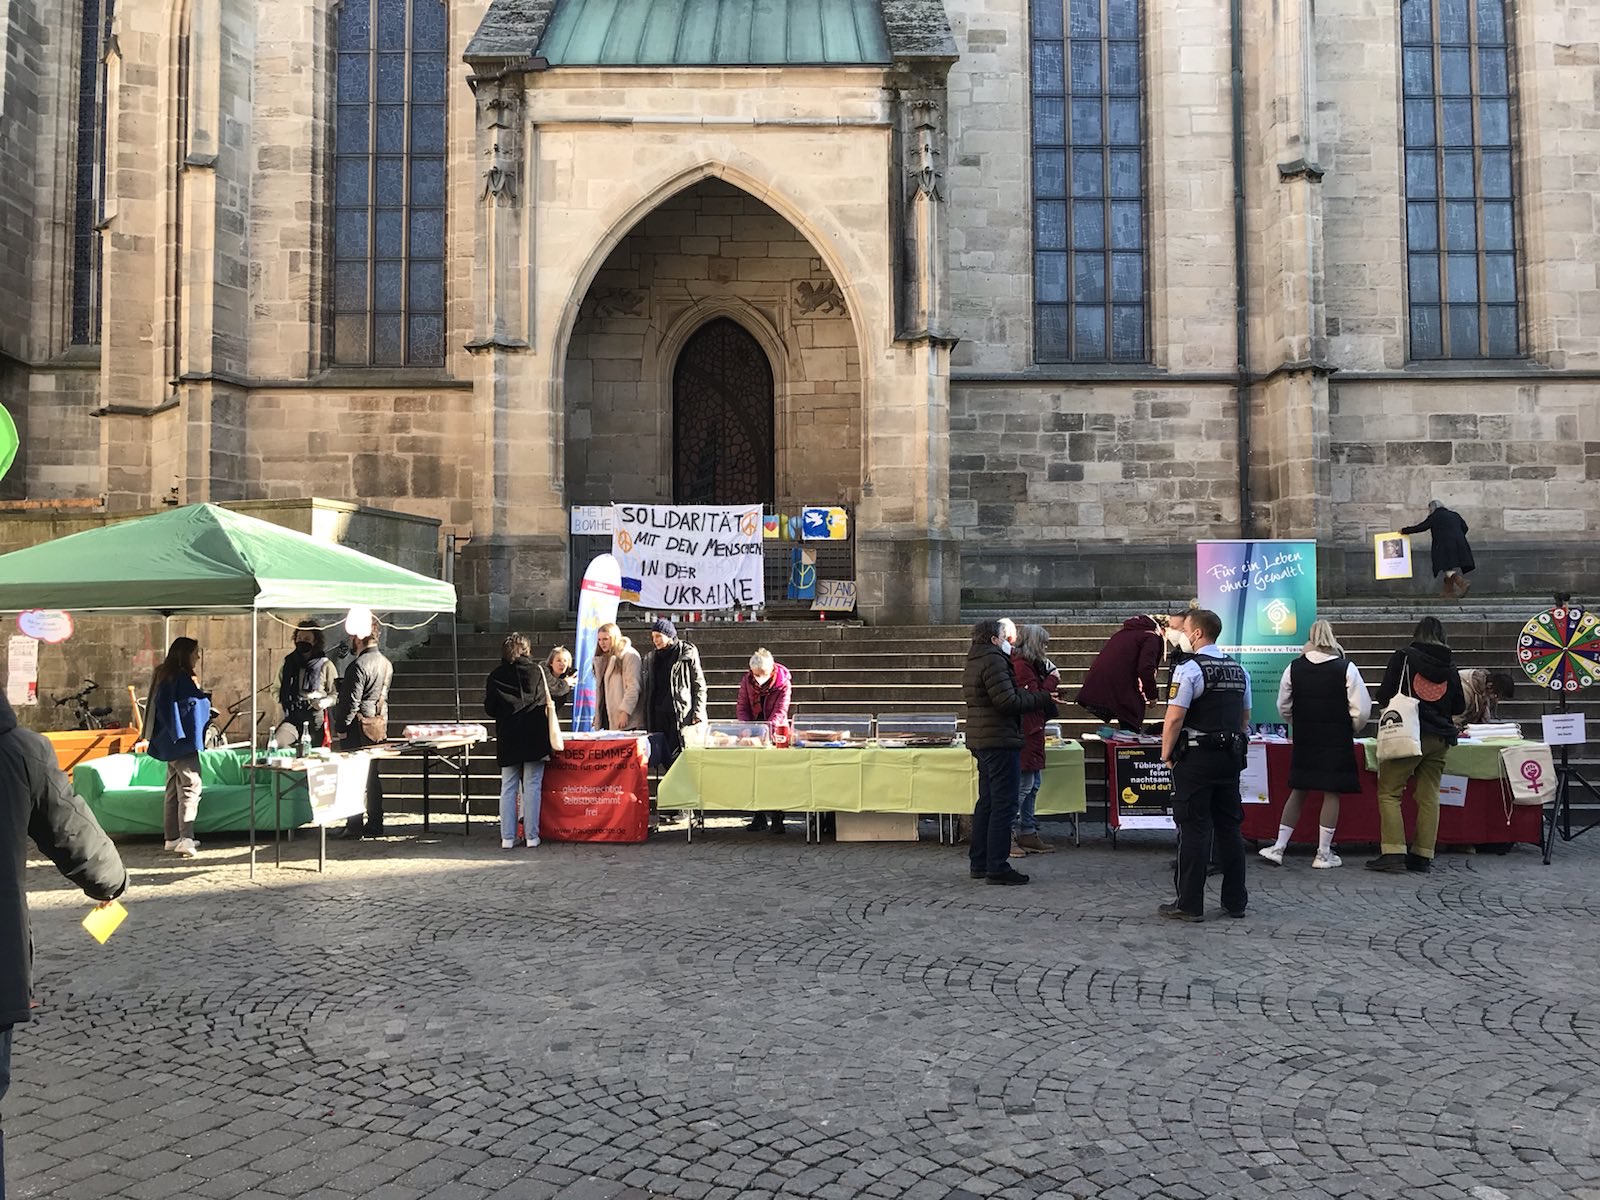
<point x="517" y="559"/>
<point x="908" y="563"/>
<point x="1291" y="480"/>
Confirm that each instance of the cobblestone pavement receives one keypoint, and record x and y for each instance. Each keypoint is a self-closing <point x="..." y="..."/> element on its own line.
<point x="752" y="1018"/>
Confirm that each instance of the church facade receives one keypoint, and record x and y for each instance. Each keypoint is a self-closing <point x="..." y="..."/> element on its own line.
<point x="1042" y="290"/>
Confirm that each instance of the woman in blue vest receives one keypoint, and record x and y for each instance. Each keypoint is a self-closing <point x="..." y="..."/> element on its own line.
<point x="176" y="728"/>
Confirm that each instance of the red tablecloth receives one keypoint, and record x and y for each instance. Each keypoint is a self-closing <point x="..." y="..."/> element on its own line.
<point x="1483" y="819"/>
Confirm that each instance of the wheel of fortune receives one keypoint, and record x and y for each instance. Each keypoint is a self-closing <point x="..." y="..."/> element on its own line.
<point x="1560" y="649"/>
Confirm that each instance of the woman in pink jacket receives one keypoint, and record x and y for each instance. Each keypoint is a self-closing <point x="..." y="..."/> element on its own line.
<point x="1035" y="673"/>
<point x="764" y="696"/>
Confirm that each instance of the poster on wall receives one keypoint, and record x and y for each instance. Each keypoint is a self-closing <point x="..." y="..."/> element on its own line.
<point x="1266" y="595"/>
<point x="688" y="557"/>
<point x="1391" y="554"/>
<point x="802" y="574"/>
<point x="1141" y="797"/>
<point x="22" y="670"/>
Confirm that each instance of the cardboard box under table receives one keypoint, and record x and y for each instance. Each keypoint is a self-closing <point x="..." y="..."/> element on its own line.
<point x="933" y="781"/>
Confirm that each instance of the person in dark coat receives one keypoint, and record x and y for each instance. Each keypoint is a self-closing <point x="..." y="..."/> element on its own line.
<point x="37" y="804"/>
<point x="363" y="721"/>
<point x="515" y="697"/>
<point x="1322" y="695"/>
<point x="764" y="698"/>
<point x="1424" y="670"/>
<point x="1121" y="684"/>
<point x="673" y="691"/>
<point x="308" y="685"/>
<point x="995" y="708"/>
<point x="1451" y="554"/>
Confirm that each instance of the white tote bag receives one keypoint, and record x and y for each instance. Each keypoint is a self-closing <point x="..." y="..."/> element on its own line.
<point x="1531" y="771"/>
<point x="1400" y="726"/>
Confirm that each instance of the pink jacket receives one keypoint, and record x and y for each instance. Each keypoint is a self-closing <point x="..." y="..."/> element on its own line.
<point x="764" y="702"/>
<point x="1029" y="679"/>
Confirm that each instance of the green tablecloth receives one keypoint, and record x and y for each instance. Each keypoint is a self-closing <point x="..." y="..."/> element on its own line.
<point x="127" y="794"/>
<point x="1478" y="761"/>
<point x="866" y="780"/>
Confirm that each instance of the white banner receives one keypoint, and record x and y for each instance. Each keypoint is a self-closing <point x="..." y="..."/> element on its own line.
<point x="337" y="787"/>
<point x="685" y="558"/>
<point x="22" y="670"/>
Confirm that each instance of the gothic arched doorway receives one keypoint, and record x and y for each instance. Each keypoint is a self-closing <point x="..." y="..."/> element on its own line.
<point x="722" y="418"/>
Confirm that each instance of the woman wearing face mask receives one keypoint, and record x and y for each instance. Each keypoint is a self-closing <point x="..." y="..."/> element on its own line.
<point x="1121" y="683"/>
<point x="308" y="684"/>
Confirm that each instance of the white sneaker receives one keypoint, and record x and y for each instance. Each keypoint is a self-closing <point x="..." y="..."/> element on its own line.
<point x="508" y="843"/>
<point x="1327" y="858"/>
<point x="532" y="842"/>
<point x="1273" y="854"/>
<point x="186" y="848"/>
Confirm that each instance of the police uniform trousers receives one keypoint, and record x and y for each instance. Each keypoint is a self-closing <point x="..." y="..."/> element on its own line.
<point x="1209" y="812"/>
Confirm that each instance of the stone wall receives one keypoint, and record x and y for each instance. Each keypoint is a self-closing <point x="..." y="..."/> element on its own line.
<point x="710" y="251"/>
<point x="1033" y="463"/>
<point x="410" y="447"/>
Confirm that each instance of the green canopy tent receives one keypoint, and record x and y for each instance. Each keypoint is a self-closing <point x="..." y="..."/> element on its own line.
<point x="205" y="560"/>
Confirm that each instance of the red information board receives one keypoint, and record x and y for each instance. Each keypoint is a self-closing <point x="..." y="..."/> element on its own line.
<point x="596" y="790"/>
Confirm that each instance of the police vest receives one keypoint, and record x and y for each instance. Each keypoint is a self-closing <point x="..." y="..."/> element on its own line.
<point x="1220" y="706"/>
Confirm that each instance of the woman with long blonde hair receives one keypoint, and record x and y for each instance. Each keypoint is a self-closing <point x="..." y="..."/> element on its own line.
<point x="616" y="668"/>
<point x="1323" y="697"/>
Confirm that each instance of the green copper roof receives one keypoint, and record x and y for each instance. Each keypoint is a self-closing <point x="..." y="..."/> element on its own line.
<point x="714" y="33"/>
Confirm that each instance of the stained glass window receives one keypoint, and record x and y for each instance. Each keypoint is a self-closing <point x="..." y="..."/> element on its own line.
<point x="88" y="199"/>
<point x="388" y="187"/>
<point x="1088" y="182"/>
<point x="1459" y="182"/>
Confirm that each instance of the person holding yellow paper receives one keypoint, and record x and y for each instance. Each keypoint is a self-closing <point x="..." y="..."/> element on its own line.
<point x="37" y="803"/>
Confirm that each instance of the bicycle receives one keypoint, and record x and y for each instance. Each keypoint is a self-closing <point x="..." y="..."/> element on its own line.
<point x="86" y="716"/>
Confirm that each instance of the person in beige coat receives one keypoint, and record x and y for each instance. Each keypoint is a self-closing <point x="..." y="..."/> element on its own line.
<point x="616" y="677"/>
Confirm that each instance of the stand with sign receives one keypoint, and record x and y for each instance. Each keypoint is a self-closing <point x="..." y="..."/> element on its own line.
<point x="1266" y="595"/>
<point x="1138" y="788"/>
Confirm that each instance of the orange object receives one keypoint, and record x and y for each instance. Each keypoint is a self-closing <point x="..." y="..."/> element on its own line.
<point x="74" y="746"/>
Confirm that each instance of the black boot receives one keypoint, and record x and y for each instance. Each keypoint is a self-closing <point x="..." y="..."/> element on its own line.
<point x="1419" y="864"/>
<point x="758" y="824"/>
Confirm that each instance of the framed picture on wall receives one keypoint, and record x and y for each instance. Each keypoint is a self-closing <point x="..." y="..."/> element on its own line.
<point x="1391" y="552"/>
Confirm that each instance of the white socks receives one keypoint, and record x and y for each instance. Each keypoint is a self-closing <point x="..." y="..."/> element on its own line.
<point x="1324" y="840"/>
<point x="1285" y="832"/>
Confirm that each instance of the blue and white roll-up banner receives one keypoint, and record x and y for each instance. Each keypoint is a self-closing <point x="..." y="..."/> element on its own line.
<point x="597" y="606"/>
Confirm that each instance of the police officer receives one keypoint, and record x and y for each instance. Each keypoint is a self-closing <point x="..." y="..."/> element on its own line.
<point x="1204" y="742"/>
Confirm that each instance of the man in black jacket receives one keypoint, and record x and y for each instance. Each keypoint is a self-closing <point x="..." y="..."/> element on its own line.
<point x="364" y="721"/>
<point x="994" y="736"/>
<point x="37" y="803"/>
<point x="672" y="690"/>
<point x="1451" y="553"/>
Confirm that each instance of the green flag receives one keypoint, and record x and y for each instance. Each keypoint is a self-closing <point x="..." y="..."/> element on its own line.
<point x="8" y="441"/>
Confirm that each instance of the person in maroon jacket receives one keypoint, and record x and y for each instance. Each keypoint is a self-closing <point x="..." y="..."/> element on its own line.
<point x="1035" y="673"/>
<point x="764" y="696"/>
<point x="1121" y="684"/>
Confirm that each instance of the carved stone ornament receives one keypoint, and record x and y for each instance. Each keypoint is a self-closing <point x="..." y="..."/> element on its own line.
<point x="824" y="298"/>
<point x="616" y="302"/>
<point x="500" y="125"/>
<point x="924" y="165"/>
